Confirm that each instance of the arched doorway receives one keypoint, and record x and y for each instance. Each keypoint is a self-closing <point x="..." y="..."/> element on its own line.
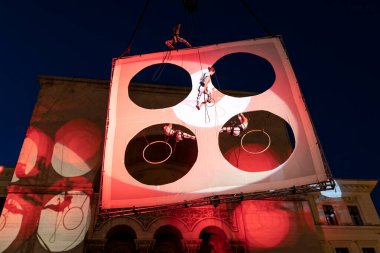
<point x="214" y="240"/>
<point x="168" y="240"/>
<point x="120" y="239"/>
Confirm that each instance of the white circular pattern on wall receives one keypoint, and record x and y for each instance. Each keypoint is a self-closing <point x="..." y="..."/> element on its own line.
<point x="64" y="221"/>
<point x="77" y="148"/>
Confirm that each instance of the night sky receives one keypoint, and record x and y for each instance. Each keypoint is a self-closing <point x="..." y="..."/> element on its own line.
<point x="333" y="46"/>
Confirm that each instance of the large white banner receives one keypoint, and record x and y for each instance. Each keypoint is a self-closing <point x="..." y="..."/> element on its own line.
<point x="146" y="165"/>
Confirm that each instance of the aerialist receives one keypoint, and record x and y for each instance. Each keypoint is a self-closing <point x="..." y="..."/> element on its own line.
<point x="60" y="207"/>
<point x="205" y="87"/>
<point x="237" y="130"/>
<point x="176" y="38"/>
<point x="179" y="134"/>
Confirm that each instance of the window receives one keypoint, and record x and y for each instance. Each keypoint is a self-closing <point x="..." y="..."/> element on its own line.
<point x="368" y="250"/>
<point x="330" y="215"/>
<point x="355" y="215"/>
<point x="342" y="250"/>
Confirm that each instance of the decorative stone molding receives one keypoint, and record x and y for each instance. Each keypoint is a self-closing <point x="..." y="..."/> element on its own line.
<point x="350" y="199"/>
<point x="189" y="216"/>
<point x="356" y="187"/>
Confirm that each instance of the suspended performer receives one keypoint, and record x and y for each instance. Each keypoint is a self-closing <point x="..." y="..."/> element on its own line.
<point x="237" y="130"/>
<point x="178" y="134"/>
<point x="176" y="38"/>
<point x="205" y="87"/>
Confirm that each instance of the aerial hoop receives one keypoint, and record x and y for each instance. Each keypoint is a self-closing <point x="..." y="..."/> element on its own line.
<point x="210" y="102"/>
<point x="257" y="152"/>
<point x="162" y="161"/>
<point x="3" y="221"/>
<point x="72" y="227"/>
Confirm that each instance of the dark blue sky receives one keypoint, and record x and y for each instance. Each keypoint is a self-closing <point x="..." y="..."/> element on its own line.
<point x="333" y="46"/>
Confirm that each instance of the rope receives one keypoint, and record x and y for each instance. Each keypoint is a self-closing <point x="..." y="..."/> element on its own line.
<point x="217" y="81"/>
<point x="56" y="225"/>
<point x="128" y="50"/>
<point x="256" y="18"/>
<point x="147" y="142"/>
<point x="200" y="62"/>
<point x="83" y="228"/>
<point x="237" y="156"/>
<point x="157" y="74"/>
<point x="207" y="116"/>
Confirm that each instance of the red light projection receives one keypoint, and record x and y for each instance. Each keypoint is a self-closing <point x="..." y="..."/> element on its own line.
<point x="77" y="148"/>
<point x="279" y="224"/>
<point x="35" y="154"/>
<point x="270" y="227"/>
<point x="214" y="172"/>
<point x="18" y="219"/>
<point x="261" y="162"/>
<point x="48" y="205"/>
<point x="60" y="217"/>
<point x="10" y="222"/>
<point x="61" y="205"/>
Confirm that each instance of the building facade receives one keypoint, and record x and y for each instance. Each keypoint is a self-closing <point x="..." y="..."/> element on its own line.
<point x="52" y="201"/>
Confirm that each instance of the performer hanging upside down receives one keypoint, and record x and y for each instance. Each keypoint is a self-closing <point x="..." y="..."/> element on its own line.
<point x="179" y="134"/>
<point x="237" y="130"/>
<point x="205" y="87"/>
<point x="176" y="38"/>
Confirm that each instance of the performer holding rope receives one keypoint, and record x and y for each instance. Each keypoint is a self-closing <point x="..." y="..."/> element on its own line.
<point x="205" y="87"/>
<point x="176" y="38"/>
<point x="179" y="134"/>
<point x="237" y="130"/>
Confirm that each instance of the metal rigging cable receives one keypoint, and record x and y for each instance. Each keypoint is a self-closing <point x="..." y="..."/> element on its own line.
<point x="128" y="50"/>
<point x="246" y="5"/>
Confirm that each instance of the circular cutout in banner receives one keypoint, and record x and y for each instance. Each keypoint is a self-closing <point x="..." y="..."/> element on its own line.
<point x="156" y="156"/>
<point x="262" y="143"/>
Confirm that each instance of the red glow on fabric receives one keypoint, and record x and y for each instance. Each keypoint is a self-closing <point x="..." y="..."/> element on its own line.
<point x="270" y="226"/>
<point x="19" y="218"/>
<point x="82" y="137"/>
<point x="268" y="160"/>
<point x="10" y="221"/>
<point x="35" y="154"/>
<point x="13" y="207"/>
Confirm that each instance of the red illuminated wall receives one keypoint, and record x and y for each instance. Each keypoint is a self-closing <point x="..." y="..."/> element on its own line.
<point x="48" y="208"/>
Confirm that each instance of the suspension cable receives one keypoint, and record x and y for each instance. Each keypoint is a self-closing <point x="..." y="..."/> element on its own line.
<point x="246" y="5"/>
<point x="128" y="50"/>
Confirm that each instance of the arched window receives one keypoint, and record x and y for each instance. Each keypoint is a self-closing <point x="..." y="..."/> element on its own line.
<point x="214" y="240"/>
<point x="120" y="239"/>
<point x="168" y="240"/>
